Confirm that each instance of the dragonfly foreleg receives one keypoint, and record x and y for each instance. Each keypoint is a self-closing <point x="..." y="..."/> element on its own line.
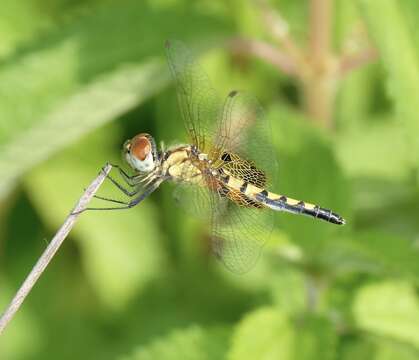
<point x="125" y="191"/>
<point x="110" y="200"/>
<point x="130" y="204"/>
<point x="130" y="180"/>
<point x="120" y="187"/>
<point x="149" y="177"/>
<point x="147" y="180"/>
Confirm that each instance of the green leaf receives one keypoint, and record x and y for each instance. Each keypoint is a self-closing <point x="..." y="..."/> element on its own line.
<point x="391" y="35"/>
<point x="365" y="151"/>
<point x="288" y="289"/>
<point x="391" y="350"/>
<point x="315" y="338"/>
<point x="121" y="251"/>
<point x="367" y="347"/>
<point x="264" y="334"/>
<point x="19" y="20"/>
<point x="411" y="13"/>
<point x="357" y="89"/>
<point x="268" y="333"/>
<point x="374" y="252"/>
<point x="100" y="102"/>
<point x="356" y="348"/>
<point x="192" y="343"/>
<point x="389" y="309"/>
<point x="396" y="254"/>
<point x="23" y="21"/>
<point x="82" y="76"/>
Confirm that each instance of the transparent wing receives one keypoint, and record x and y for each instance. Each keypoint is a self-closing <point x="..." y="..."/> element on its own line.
<point x="244" y="148"/>
<point x="239" y="233"/>
<point x="245" y="131"/>
<point x="198" y="102"/>
<point x="239" y="230"/>
<point x="194" y="200"/>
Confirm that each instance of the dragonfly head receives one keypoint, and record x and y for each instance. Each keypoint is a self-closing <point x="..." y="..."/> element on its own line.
<point x="140" y="152"/>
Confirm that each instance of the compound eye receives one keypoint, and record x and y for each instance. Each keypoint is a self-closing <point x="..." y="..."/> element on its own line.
<point x="140" y="147"/>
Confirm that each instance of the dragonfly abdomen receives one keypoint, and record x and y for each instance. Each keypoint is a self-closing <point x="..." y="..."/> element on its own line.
<point x="255" y="196"/>
<point x="284" y="203"/>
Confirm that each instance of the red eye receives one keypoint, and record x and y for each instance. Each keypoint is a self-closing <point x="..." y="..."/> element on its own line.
<point x="140" y="147"/>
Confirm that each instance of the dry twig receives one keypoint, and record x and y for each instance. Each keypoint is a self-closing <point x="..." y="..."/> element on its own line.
<point x="52" y="248"/>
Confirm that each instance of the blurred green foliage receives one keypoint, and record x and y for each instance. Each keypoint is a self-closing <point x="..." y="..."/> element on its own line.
<point x="79" y="77"/>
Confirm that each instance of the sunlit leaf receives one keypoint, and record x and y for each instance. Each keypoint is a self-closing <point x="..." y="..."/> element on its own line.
<point x="389" y="309"/>
<point x="289" y="290"/>
<point x="315" y="338"/>
<point x="391" y="350"/>
<point x="366" y="150"/>
<point x="366" y="347"/>
<point x="397" y="255"/>
<point x="411" y="13"/>
<point x="357" y="88"/>
<point x="264" y="334"/>
<point x="268" y="333"/>
<point x="189" y="344"/>
<point x="22" y="21"/>
<point x="391" y="35"/>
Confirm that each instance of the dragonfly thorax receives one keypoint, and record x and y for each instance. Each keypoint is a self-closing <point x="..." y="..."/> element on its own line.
<point x="141" y="154"/>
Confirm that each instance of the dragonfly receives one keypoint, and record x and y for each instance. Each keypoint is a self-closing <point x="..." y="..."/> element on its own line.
<point x="223" y="172"/>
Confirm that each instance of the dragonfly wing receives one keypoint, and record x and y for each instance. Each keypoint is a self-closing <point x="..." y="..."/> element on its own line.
<point x="194" y="200"/>
<point x="243" y="130"/>
<point x="198" y="102"/>
<point x="244" y="148"/>
<point x="238" y="234"/>
<point x="238" y="231"/>
<point x="243" y="169"/>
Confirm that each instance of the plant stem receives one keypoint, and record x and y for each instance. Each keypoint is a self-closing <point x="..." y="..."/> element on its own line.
<point x="265" y="52"/>
<point x="319" y="82"/>
<point x="51" y="249"/>
<point x="320" y="25"/>
<point x="355" y="61"/>
<point x="279" y="29"/>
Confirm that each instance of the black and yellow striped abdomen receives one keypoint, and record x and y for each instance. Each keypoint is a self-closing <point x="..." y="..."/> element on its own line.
<point x="283" y="203"/>
<point x="253" y="196"/>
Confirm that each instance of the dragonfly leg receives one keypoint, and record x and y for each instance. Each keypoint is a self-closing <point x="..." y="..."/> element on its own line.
<point x="130" y="180"/>
<point x="130" y="204"/>
<point x="122" y="188"/>
<point x="148" y="179"/>
<point x="110" y="200"/>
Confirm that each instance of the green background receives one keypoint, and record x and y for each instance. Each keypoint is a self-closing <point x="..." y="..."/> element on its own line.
<point x="77" y="78"/>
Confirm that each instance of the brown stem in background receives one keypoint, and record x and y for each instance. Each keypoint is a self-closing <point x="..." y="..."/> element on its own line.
<point x="279" y="29"/>
<point x="266" y="52"/>
<point x="51" y="249"/>
<point x="320" y="26"/>
<point x="319" y="83"/>
<point x="351" y="62"/>
<point x="317" y="68"/>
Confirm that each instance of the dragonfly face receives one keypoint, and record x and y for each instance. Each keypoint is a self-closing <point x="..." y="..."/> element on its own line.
<point x="140" y="153"/>
<point x="223" y="172"/>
